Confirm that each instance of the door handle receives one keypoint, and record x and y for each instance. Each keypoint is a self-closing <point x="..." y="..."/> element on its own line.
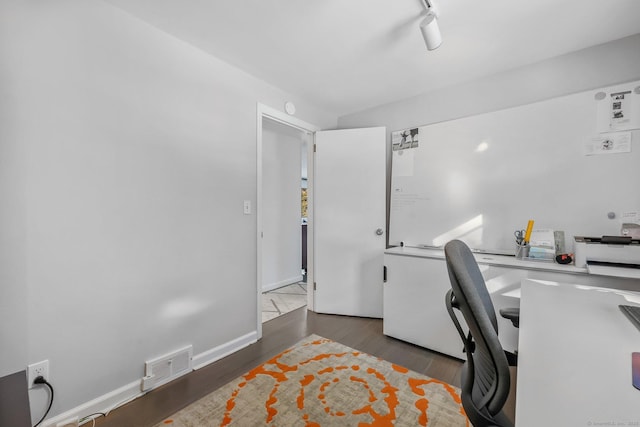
<point x="379" y="231"/>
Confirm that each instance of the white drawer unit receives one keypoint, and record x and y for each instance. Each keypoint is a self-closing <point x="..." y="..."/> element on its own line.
<point x="417" y="280"/>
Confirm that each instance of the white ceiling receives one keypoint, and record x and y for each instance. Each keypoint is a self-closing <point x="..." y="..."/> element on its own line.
<point x="349" y="55"/>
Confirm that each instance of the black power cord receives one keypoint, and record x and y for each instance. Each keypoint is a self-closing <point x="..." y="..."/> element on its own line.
<point x="40" y="380"/>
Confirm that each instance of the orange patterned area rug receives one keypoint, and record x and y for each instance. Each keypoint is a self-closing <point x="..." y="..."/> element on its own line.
<point x="319" y="382"/>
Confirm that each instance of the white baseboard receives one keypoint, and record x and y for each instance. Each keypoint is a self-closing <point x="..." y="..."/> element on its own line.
<point x="203" y="359"/>
<point x="272" y="286"/>
<point x="131" y="391"/>
<point x="104" y="403"/>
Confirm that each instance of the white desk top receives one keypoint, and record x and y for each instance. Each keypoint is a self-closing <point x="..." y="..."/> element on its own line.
<point x="574" y="363"/>
<point x="490" y="259"/>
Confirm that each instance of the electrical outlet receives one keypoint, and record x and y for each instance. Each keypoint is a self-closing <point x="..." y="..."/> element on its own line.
<point x="71" y="422"/>
<point x="36" y="370"/>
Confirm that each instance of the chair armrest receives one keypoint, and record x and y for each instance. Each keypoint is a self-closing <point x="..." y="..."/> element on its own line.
<point x="512" y="314"/>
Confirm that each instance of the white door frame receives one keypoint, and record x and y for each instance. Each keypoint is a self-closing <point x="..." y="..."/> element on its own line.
<point x="264" y="111"/>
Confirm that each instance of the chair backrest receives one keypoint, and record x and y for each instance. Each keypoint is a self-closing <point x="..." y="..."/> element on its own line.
<point x="486" y="378"/>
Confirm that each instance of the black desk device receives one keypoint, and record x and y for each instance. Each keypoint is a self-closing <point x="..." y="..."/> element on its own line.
<point x="14" y="400"/>
<point x="635" y="369"/>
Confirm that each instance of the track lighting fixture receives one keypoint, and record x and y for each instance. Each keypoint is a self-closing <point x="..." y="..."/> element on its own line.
<point x="429" y="26"/>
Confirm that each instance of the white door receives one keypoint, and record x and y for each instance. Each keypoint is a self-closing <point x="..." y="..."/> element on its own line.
<point x="349" y="221"/>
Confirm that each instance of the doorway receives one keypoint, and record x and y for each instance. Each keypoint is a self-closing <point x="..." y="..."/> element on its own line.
<point x="284" y="177"/>
<point x="285" y="193"/>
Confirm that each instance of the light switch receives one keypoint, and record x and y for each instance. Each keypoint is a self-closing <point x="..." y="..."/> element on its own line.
<point x="247" y="207"/>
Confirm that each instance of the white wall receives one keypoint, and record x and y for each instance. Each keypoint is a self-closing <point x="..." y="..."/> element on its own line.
<point x="125" y="158"/>
<point x="281" y="220"/>
<point x="13" y="275"/>
<point x="594" y="67"/>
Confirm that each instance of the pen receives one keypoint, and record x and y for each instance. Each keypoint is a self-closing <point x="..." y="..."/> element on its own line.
<point x="527" y="235"/>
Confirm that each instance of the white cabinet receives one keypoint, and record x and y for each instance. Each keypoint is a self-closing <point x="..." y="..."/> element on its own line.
<point x="414" y="306"/>
<point x="417" y="280"/>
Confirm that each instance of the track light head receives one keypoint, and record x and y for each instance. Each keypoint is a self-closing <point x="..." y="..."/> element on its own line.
<point x="430" y="28"/>
<point x="431" y="31"/>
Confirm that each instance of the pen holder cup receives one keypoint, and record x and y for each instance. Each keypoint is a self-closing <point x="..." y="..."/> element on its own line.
<point x="522" y="251"/>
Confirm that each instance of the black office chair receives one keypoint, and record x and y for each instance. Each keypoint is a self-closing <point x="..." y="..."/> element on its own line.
<point x="485" y="375"/>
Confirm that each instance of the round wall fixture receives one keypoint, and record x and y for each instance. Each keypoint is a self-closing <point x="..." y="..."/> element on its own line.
<point x="600" y="96"/>
<point x="289" y="108"/>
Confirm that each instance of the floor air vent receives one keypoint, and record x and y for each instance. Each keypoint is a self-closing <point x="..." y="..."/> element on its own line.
<point x="166" y="368"/>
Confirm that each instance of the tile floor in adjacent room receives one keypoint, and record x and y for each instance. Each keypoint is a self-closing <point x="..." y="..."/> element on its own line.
<point x="283" y="300"/>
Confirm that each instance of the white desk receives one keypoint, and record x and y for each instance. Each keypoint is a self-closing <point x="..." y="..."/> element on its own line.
<point x="417" y="281"/>
<point x="574" y="363"/>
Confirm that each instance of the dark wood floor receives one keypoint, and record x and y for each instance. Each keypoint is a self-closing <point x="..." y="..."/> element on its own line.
<point x="279" y="334"/>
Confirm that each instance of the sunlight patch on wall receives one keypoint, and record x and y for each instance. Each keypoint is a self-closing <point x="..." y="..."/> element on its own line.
<point x="470" y="232"/>
<point x="184" y="307"/>
<point x="483" y="146"/>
